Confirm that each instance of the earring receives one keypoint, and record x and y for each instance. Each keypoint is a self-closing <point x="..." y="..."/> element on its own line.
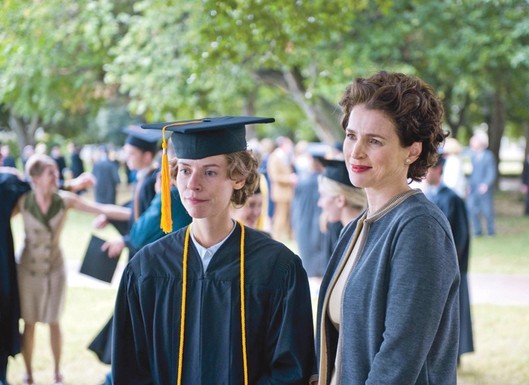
<point x="408" y="160"/>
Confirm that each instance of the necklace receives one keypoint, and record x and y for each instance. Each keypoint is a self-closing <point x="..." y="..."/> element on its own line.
<point x="183" y="306"/>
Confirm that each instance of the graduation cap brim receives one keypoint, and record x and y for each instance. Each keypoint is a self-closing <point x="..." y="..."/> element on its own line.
<point x="337" y="171"/>
<point x="201" y="138"/>
<point x="146" y="140"/>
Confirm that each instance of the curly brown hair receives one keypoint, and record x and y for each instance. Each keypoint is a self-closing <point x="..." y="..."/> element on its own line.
<point x="243" y="165"/>
<point x="410" y="103"/>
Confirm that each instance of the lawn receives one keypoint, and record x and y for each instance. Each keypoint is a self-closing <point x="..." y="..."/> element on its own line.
<point x="501" y="333"/>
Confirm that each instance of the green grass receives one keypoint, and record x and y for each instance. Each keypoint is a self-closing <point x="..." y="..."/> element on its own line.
<point x="501" y="333"/>
<point x="506" y="252"/>
<point x="501" y="341"/>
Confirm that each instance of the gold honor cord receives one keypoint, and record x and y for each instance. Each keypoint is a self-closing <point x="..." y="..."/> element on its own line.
<point x="183" y="310"/>
<point x="243" y="310"/>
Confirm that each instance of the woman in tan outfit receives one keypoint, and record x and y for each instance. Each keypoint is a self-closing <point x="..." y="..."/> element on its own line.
<point x="41" y="271"/>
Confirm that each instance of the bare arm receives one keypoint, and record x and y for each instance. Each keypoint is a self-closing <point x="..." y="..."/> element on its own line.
<point x="110" y="211"/>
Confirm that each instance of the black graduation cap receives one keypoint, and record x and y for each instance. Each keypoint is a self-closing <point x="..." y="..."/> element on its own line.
<point x="200" y="138"/>
<point x="146" y="140"/>
<point x="336" y="170"/>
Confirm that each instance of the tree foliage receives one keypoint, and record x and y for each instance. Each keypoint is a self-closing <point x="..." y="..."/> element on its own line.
<point x="172" y="59"/>
<point x="51" y="67"/>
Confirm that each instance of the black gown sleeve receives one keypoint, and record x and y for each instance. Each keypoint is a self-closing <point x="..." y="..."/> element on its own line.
<point x="290" y="342"/>
<point x="130" y="361"/>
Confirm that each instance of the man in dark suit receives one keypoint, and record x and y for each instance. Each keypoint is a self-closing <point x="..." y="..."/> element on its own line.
<point x="453" y="206"/>
<point x="107" y="175"/>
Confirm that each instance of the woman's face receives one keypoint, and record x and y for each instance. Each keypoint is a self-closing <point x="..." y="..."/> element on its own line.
<point x="204" y="186"/>
<point x="249" y="213"/>
<point x="329" y="204"/>
<point x="48" y="180"/>
<point x="374" y="156"/>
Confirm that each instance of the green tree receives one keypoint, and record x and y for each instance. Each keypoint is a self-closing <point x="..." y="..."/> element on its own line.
<point x="474" y="53"/>
<point x="51" y="67"/>
<point x="181" y="59"/>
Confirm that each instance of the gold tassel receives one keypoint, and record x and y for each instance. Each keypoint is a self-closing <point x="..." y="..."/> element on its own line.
<point x="166" y="221"/>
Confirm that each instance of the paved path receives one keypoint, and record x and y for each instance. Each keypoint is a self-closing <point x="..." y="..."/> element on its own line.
<point x="499" y="289"/>
<point x="496" y="289"/>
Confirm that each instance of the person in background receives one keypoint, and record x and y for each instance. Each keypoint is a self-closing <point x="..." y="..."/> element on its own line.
<point x="453" y="172"/>
<point x="106" y="174"/>
<point x="140" y="148"/>
<point x="480" y="198"/>
<point x="41" y="271"/>
<point x="76" y="163"/>
<point x="215" y="277"/>
<point x="146" y="229"/>
<point x="266" y="147"/>
<point x="283" y="181"/>
<point x="388" y="310"/>
<point x="339" y="200"/>
<point x="305" y="217"/>
<point x="57" y="156"/>
<point x="27" y="151"/>
<point x="249" y="213"/>
<point x="8" y="159"/>
<point x="455" y="209"/>
<point x="525" y="183"/>
<point x="11" y="188"/>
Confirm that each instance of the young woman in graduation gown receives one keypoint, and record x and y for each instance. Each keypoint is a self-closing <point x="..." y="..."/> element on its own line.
<point x="215" y="302"/>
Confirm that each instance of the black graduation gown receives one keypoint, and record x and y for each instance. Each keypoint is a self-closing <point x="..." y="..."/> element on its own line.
<point x="455" y="210"/>
<point x="278" y="315"/>
<point x="11" y="188"/>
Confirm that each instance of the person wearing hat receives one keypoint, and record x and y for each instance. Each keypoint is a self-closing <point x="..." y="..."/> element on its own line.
<point x="140" y="149"/>
<point x="215" y="302"/>
<point x="339" y="199"/>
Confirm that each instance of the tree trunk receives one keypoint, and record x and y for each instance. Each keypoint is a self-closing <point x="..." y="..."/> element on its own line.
<point x="24" y="130"/>
<point x="454" y="119"/>
<point x="323" y="114"/>
<point x="497" y="123"/>
<point x="249" y="110"/>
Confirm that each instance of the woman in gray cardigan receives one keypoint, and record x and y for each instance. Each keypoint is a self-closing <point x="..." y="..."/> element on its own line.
<point x="388" y="308"/>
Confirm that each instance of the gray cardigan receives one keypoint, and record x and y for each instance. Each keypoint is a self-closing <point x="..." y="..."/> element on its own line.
<point x="400" y="306"/>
